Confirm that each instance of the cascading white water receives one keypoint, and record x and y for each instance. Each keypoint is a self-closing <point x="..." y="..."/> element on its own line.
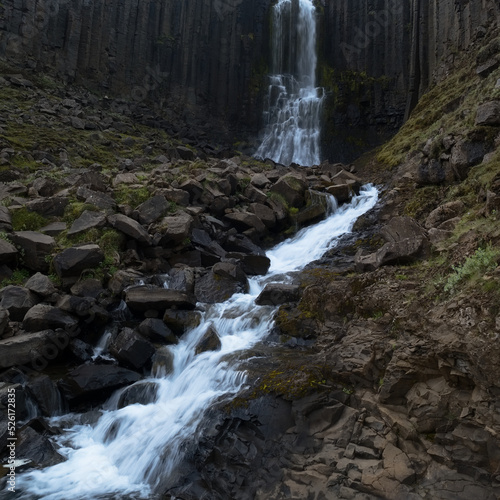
<point x="293" y="107"/>
<point x="133" y="452"/>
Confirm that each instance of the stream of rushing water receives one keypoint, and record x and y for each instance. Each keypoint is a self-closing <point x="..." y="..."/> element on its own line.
<point x="292" y="114"/>
<point x="132" y="452"/>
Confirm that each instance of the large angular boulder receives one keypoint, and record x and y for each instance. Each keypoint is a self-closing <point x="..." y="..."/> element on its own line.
<point x="488" y="114"/>
<point x="142" y="392"/>
<point x="24" y="349"/>
<point x="156" y="330"/>
<point x="130" y="227"/>
<point x="47" y="395"/>
<point x="8" y="252"/>
<point x="96" y="381"/>
<point x="35" y="246"/>
<point x="275" y="294"/>
<point x="18" y="301"/>
<point x="88" y="220"/>
<point x="44" y="317"/>
<point x="143" y="299"/>
<point x="406" y="242"/>
<point x="74" y="260"/>
<point x="175" y="229"/>
<point x="253" y="265"/>
<point x="209" y="342"/>
<point x="245" y="220"/>
<point x="213" y="288"/>
<point x="131" y="349"/>
<point x="48" y="207"/>
<point x="36" y="448"/>
<point x="41" y="285"/>
<point x="152" y="209"/>
<point x="291" y="188"/>
<point x="95" y="198"/>
<point x="181" y="321"/>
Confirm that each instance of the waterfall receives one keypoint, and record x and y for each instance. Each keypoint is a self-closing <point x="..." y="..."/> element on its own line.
<point x="134" y="451"/>
<point x="292" y="114"/>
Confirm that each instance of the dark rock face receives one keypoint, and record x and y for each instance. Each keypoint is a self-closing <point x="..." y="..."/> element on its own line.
<point x="142" y="50"/>
<point x="95" y="380"/>
<point x="131" y="349"/>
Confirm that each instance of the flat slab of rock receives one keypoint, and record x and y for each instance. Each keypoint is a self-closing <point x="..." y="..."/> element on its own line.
<point x="23" y="349"/>
<point x="142" y="299"/>
<point x="275" y="294"/>
<point x="130" y="227"/>
<point x="175" y="229"/>
<point x="44" y="316"/>
<point x="86" y="221"/>
<point x="90" y="380"/>
<point x="74" y="260"/>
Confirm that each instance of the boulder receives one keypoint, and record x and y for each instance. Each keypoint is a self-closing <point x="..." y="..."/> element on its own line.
<point x="213" y="288"/>
<point x="264" y="213"/>
<point x="4" y="321"/>
<point x="88" y="220"/>
<point x="209" y="342"/>
<point x="45" y="317"/>
<point x="54" y="228"/>
<point x="48" y="207"/>
<point x="275" y="294"/>
<point x="142" y="299"/>
<point x="177" y="196"/>
<point x="95" y="381"/>
<point x="18" y="301"/>
<point x="95" y="198"/>
<point x="488" y="114"/>
<point x="186" y="153"/>
<point x="245" y="220"/>
<point x="5" y="219"/>
<point x="74" y="260"/>
<point x="131" y="349"/>
<point x="41" y="285"/>
<point x="465" y="155"/>
<point x="89" y="287"/>
<point x="162" y="362"/>
<point x="259" y="180"/>
<point x="253" y="265"/>
<point x="193" y="188"/>
<point x="181" y="279"/>
<point x="291" y="188"/>
<point x="47" y="395"/>
<point x="143" y="393"/>
<point x="181" y="321"/>
<point x="152" y="209"/>
<point x="342" y="192"/>
<point x="130" y="227"/>
<point x="175" y="229"/>
<point x="36" y="448"/>
<point x="24" y="349"/>
<point x="36" y="247"/>
<point x="123" y="279"/>
<point x="443" y="213"/>
<point x="157" y="331"/>
<point x="8" y="252"/>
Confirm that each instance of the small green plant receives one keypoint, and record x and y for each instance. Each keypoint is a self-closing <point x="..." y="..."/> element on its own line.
<point x="25" y="220"/>
<point x="19" y="277"/>
<point x="474" y="267"/>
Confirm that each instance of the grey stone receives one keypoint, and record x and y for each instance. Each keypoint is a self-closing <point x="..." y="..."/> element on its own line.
<point x="18" y="301"/>
<point x="45" y="317"/>
<point x="88" y="220"/>
<point x="131" y="349"/>
<point x="142" y="299"/>
<point x="130" y="227"/>
<point x="36" y="247"/>
<point x="74" y="260"/>
<point x="209" y="342"/>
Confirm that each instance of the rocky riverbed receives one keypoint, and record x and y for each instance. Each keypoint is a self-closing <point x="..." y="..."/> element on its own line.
<point x="380" y="377"/>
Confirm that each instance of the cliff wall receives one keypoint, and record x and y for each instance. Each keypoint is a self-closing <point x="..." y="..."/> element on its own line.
<point x="205" y="60"/>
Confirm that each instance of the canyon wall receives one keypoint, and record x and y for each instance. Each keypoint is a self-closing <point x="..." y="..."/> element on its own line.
<point x="204" y="61"/>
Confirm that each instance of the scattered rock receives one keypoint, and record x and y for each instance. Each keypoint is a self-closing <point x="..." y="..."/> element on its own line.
<point x="209" y="342"/>
<point x="131" y="349"/>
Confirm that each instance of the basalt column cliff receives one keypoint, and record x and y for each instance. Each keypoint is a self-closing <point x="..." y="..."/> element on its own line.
<point x="199" y="58"/>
